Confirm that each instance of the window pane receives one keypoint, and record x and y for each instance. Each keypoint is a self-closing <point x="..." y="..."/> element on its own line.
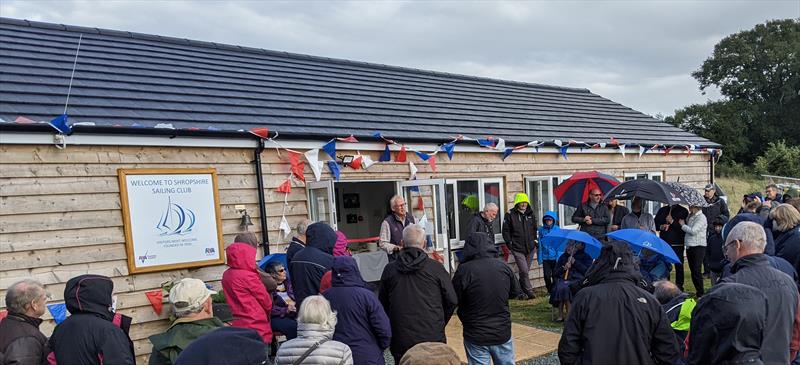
<point x="449" y="202"/>
<point x="491" y="193"/>
<point x="566" y="218"/>
<point x="468" y="204"/>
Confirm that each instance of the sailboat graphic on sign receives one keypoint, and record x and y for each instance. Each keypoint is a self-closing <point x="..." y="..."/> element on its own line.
<point x="176" y="220"/>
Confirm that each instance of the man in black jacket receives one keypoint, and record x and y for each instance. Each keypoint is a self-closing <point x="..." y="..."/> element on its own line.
<point x="21" y="342"/>
<point x="484" y="285"/>
<point x="716" y="205"/>
<point x="614" y="321"/>
<point x="90" y="334"/>
<point x="667" y="222"/>
<point x="311" y="263"/>
<point x="482" y="221"/>
<point x="519" y="233"/>
<point x="728" y="326"/>
<point x="593" y="216"/>
<point x="744" y="246"/>
<point x="298" y="241"/>
<point x="417" y="294"/>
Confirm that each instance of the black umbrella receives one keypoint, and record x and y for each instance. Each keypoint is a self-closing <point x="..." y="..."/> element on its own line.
<point x="647" y="190"/>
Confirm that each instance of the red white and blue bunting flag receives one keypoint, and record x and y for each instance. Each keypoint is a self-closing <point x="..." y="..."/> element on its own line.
<point x="622" y="150"/>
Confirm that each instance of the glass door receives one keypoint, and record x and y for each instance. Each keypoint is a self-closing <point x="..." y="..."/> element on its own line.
<point x="321" y="203"/>
<point x="426" y="202"/>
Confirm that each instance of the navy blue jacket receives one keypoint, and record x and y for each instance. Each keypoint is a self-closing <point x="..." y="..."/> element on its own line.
<point x="361" y="323"/>
<point x="311" y="263"/>
<point x="787" y="246"/>
<point x="751" y="217"/>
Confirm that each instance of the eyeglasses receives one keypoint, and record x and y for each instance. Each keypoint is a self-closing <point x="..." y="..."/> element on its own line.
<point x="281" y="270"/>
<point x="728" y="245"/>
<point x="597" y="194"/>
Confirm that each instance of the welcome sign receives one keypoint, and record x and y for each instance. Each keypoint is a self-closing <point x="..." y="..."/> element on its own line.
<point x="172" y="218"/>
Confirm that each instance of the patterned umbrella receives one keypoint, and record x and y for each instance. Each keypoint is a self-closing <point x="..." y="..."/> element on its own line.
<point x="691" y="195"/>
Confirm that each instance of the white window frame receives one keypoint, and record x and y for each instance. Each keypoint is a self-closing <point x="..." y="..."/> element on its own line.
<point x="563" y="221"/>
<point x="651" y="206"/>
<point x="455" y="240"/>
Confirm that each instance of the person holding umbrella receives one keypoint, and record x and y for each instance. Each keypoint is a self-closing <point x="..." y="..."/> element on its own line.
<point x="638" y="219"/>
<point x="570" y="268"/>
<point x="593" y="216"/>
<point x="670" y="231"/>
<point x="695" y="227"/>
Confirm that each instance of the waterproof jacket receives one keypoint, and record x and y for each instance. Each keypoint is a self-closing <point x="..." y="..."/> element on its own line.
<point x="579" y="266"/>
<point x="716" y="207"/>
<point x="483" y="286"/>
<point x="787" y="246"/>
<point x="642" y="220"/>
<point x="781" y="292"/>
<point x="88" y="336"/>
<point x="21" y="342"/>
<point x="477" y="223"/>
<point x="696" y="232"/>
<point x="600" y="219"/>
<point x="519" y="230"/>
<point x="674" y="235"/>
<point x="168" y="345"/>
<point x="728" y="326"/>
<point x="769" y="249"/>
<point x="226" y="345"/>
<point x="616" y="215"/>
<point x="330" y="352"/>
<point x="673" y="310"/>
<point x="614" y="321"/>
<point x="249" y="301"/>
<point x="279" y="306"/>
<point x="547" y="252"/>
<point x="714" y="253"/>
<point x="362" y="323"/>
<point x="310" y="264"/>
<point x="419" y="298"/>
<point x="295" y="246"/>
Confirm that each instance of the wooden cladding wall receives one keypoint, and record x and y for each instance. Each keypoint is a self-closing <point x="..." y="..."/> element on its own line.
<point x="60" y="209"/>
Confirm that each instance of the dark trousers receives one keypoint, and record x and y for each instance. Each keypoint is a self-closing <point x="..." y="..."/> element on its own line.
<point x="287" y="326"/>
<point x="695" y="257"/>
<point x="678" y="267"/>
<point x="548" y="266"/>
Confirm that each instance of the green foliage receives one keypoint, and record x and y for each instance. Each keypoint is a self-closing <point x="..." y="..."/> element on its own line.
<point x="219" y="297"/>
<point x="729" y="168"/>
<point x="780" y="159"/>
<point x="758" y="73"/>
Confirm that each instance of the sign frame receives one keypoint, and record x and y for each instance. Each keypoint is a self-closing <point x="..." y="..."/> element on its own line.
<point x="122" y="175"/>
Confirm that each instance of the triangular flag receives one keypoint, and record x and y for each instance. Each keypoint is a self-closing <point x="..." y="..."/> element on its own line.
<point x="667" y="150"/>
<point x="313" y="161"/>
<point x="422" y="155"/>
<point x="420" y="203"/>
<point x="558" y="142"/>
<point x="501" y="145"/>
<point x="386" y="155"/>
<point x="449" y="148"/>
<point x="58" y="311"/>
<point x="350" y="139"/>
<point x="401" y="156"/>
<point x="614" y="141"/>
<point x="260" y="132"/>
<point x="61" y="124"/>
<point x="622" y="150"/>
<point x="334" y="167"/>
<point x="413" y="170"/>
<point x="377" y="135"/>
<point x="285" y="227"/>
<point x="297" y="165"/>
<point x="285" y="187"/>
<point x="366" y="162"/>
<point x="432" y="163"/>
<point x="602" y="145"/>
<point x="156" y="298"/>
<point x="563" y="150"/>
<point x="534" y="144"/>
<point x="330" y="148"/>
<point x="507" y="153"/>
<point x="356" y="164"/>
<point x="642" y="150"/>
<point x="486" y="142"/>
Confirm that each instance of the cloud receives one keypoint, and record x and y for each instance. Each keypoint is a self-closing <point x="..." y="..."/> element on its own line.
<point x="639" y="54"/>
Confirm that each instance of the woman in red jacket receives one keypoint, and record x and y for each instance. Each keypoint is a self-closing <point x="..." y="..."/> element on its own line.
<point x="245" y="294"/>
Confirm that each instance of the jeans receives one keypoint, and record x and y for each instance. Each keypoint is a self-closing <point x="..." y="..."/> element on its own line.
<point x="695" y="257"/>
<point x="498" y="354"/>
<point x="524" y="267"/>
<point x="548" y="266"/>
<point x="679" y="267"/>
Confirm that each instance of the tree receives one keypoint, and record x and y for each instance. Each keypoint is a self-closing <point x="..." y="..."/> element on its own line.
<point x="758" y="73"/>
<point x="779" y="159"/>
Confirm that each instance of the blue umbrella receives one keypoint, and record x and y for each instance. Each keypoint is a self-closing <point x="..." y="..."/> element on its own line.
<point x="561" y="237"/>
<point x="639" y="239"/>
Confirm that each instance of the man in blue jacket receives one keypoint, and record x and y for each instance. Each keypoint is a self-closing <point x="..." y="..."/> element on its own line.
<point x="312" y="262"/>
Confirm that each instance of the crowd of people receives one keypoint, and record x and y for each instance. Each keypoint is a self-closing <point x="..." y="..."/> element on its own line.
<point x="619" y="308"/>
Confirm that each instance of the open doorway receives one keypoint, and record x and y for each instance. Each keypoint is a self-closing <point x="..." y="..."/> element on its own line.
<point x="362" y="206"/>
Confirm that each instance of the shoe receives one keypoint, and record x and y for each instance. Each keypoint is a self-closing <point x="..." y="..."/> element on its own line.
<point x="522" y="297"/>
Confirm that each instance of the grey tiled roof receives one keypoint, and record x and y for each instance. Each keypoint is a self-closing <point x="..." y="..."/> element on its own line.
<point x="126" y="80"/>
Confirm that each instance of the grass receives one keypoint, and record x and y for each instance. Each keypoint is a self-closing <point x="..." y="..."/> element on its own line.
<point x="736" y="187"/>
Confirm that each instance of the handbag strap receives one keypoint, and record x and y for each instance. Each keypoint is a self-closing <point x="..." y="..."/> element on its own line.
<point x="308" y="352"/>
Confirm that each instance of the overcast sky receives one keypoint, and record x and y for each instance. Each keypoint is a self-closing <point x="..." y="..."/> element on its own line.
<point x="639" y="54"/>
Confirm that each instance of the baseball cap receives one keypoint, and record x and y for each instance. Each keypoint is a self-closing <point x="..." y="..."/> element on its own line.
<point x="752" y="196"/>
<point x="710" y="187"/>
<point x="189" y="295"/>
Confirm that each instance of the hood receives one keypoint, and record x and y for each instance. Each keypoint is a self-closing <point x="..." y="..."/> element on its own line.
<point x="89" y="294"/>
<point x="321" y="236"/>
<point x="314" y="330"/>
<point x="615" y="262"/>
<point x="226" y="345"/>
<point x="551" y="214"/>
<point x="521" y="198"/>
<point x="479" y="245"/>
<point x="743" y="308"/>
<point x="528" y="210"/>
<point x="411" y="259"/>
<point x="241" y="256"/>
<point x="345" y="272"/>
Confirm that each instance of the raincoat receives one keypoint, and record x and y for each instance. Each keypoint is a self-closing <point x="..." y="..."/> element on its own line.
<point x="249" y="301"/>
<point x="548" y="252"/>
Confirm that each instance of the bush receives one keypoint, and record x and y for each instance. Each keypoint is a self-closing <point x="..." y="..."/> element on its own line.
<point x="730" y="168"/>
<point x="779" y="159"/>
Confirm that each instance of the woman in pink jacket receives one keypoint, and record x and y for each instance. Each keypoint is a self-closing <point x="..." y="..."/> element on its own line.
<point x="245" y="294"/>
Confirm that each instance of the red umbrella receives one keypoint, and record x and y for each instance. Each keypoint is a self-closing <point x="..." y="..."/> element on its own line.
<point x="575" y="190"/>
